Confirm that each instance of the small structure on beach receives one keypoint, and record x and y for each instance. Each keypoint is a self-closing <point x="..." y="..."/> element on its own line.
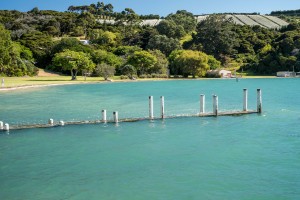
<point x="219" y="73"/>
<point x="286" y="74"/>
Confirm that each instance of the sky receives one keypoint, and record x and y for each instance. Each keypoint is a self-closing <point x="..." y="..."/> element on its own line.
<point x="161" y="7"/>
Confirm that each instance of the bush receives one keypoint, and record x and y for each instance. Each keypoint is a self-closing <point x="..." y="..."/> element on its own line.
<point x="124" y="77"/>
<point x="178" y="76"/>
<point x="153" y="76"/>
<point x="143" y="76"/>
<point x="212" y="75"/>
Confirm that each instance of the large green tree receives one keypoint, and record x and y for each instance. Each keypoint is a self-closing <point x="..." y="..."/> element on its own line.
<point x="143" y="61"/>
<point x="164" y="44"/>
<point x="189" y="62"/>
<point x="215" y="36"/>
<point x="73" y="61"/>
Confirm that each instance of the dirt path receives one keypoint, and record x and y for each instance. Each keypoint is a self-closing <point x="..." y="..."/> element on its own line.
<point x="43" y="73"/>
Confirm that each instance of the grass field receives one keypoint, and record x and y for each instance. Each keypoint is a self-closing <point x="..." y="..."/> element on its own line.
<point x="11" y="82"/>
<point x="14" y="82"/>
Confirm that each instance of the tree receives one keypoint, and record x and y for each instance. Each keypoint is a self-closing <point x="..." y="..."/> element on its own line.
<point x="216" y="36"/>
<point x="213" y="63"/>
<point x="41" y="45"/>
<point x="128" y="70"/>
<point x="161" y="66"/>
<point x="190" y="62"/>
<point x="105" y="70"/>
<point x="143" y="61"/>
<point x="102" y="56"/>
<point x="15" y="59"/>
<point x="86" y="20"/>
<point x="73" y="61"/>
<point x="105" y="39"/>
<point x="170" y="29"/>
<point x="164" y="44"/>
<point x="184" y="19"/>
<point x="5" y="48"/>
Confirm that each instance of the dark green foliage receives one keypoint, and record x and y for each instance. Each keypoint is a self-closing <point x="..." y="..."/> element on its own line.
<point x="216" y="36"/>
<point x="164" y="44"/>
<point x="34" y="37"/>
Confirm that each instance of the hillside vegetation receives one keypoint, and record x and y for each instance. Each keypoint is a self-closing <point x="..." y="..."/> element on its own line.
<point x="146" y="46"/>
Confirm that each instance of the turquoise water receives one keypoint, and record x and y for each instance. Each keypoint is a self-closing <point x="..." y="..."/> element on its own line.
<point x="245" y="157"/>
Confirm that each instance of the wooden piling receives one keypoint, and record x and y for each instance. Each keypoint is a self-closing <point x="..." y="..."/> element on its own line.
<point x="202" y="103"/>
<point x="104" y="116"/>
<point x="116" y="116"/>
<point x="259" y="101"/>
<point x="215" y="105"/>
<point x="151" y="115"/>
<point x="6" y="127"/>
<point x="50" y="122"/>
<point x="162" y="107"/>
<point x="245" y="105"/>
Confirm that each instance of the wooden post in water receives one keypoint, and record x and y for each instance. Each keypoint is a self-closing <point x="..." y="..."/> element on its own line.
<point x="1" y="125"/>
<point x="245" y="107"/>
<point x="259" y="101"/>
<point x="215" y="105"/>
<point x="162" y="106"/>
<point x="50" y="122"/>
<point x="202" y="103"/>
<point x="104" y="116"/>
<point x="6" y="127"/>
<point x="151" y="116"/>
<point x="116" y="116"/>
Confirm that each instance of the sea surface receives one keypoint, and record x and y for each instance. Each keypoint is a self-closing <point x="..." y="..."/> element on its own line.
<point x="246" y="157"/>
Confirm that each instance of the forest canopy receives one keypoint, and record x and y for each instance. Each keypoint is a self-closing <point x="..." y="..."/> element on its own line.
<point x="96" y="39"/>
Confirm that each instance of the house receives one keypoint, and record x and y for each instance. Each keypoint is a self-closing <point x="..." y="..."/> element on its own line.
<point x="286" y="74"/>
<point x="219" y="73"/>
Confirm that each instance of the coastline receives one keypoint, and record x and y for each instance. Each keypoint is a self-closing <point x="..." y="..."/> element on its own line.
<point x="32" y="86"/>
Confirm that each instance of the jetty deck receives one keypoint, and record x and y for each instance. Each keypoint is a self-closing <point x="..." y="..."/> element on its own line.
<point x="202" y="113"/>
<point x="57" y="124"/>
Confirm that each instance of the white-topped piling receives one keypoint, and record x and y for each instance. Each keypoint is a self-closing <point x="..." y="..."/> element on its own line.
<point x="245" y="105"/>
<point x="104" y="116"/>
<point x="6" y="127"/>
<point x="61" y="123"/>
<point x="1" y="125"/>
<point x="202" y="103"/>
<point x="151" y="115"/>
<point x="50" y="122"/>
<point x="162" y="107"/>
<point x="215" y="105"/>
<point x="259" y="101"/>
<point x="116" y="116"/>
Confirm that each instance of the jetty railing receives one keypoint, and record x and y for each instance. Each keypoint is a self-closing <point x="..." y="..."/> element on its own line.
<point x="215" y="112"/>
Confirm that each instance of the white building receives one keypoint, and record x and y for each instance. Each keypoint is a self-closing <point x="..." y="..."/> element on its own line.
<point x="219" y="73"/>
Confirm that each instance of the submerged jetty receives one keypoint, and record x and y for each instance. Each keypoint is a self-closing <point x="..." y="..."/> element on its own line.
<point x="215" y="113"/>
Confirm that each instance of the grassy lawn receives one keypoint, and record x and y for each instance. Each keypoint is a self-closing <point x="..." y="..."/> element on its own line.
<point x="10" y="82"/>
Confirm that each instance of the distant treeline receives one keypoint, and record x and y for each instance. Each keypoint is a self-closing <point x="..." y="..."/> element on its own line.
<point x="287" y="12"/>
<point x="177" y="45"/>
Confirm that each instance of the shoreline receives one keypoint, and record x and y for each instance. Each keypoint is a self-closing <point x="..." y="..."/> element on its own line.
<point x="14" y="88"/>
